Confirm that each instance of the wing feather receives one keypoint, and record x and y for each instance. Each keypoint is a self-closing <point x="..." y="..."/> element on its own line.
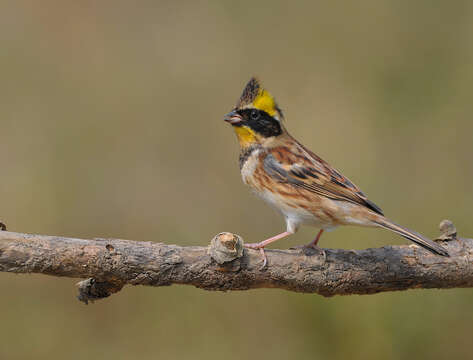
<point x="304" y="169"/>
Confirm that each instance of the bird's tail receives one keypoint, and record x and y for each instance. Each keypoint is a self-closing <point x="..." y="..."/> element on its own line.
<point x="411" y="235"/>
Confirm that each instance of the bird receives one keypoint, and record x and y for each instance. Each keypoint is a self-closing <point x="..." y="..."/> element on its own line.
<point x="299" y="184"/>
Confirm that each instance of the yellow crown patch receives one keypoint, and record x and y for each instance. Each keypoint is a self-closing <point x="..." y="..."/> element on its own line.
<point x="265" y="101"/>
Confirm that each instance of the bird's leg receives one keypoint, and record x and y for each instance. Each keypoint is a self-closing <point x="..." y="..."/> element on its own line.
<point x="314" y="242"/>
<point x="260" y="246"/>
<point x="312" y="246"/>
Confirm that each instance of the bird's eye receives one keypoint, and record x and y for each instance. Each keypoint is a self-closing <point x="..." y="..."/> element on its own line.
<point x="254" y="114"/>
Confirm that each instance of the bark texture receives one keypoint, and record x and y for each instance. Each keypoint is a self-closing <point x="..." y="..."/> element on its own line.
<point x="109" y="264"/>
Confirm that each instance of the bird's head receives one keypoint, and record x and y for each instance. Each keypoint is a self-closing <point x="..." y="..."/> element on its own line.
<point x="256" y="117"/>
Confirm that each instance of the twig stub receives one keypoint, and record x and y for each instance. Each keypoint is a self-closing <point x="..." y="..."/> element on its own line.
<point x="226" y="247"/>
<point x="448" y="231"/>
<point x="91" y="290"/>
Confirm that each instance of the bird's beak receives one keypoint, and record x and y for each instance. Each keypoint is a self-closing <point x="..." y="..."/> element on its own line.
<point x="233" y="117"/>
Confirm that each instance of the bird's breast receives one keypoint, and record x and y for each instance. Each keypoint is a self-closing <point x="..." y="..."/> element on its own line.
<point x="297" y="205"/>
<point x="248" y="163"/>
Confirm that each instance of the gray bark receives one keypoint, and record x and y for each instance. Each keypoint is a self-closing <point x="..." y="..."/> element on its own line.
<point x="109" y="264"/>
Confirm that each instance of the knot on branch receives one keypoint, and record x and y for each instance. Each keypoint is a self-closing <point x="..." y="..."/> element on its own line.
<point x="226" y="247"/>
<point x="91" y="290"/>
<point x="448" y="231"/>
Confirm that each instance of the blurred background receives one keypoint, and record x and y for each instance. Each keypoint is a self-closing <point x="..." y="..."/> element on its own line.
<point x="111" y="126"/>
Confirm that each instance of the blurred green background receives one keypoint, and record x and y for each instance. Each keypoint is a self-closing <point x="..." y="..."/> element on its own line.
<point x="111" y="126"/>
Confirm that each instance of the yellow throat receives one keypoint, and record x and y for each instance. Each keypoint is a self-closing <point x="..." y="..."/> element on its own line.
<point x="246" y="136"/>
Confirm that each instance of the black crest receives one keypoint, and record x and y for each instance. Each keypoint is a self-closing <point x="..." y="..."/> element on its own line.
<point x="249" y="93"/>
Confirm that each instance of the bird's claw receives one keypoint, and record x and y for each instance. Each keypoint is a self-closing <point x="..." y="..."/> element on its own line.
<point x="265" y="259"/>
<point x="309" y="249"/>
<point x="257" y="246"/>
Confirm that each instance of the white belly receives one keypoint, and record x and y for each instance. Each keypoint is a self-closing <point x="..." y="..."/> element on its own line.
<point x="294" y="216"/>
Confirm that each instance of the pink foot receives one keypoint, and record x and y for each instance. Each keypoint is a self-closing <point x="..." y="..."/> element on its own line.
<point x="256" y="246"/>
<point x="313" y="246"/>
<point x="260" y="246"/>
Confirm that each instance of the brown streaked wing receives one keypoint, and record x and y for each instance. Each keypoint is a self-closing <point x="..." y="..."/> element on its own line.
<point x="302" y="168"/>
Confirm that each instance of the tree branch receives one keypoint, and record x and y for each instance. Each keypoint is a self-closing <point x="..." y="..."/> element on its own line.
<point x="224" y="265"/>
